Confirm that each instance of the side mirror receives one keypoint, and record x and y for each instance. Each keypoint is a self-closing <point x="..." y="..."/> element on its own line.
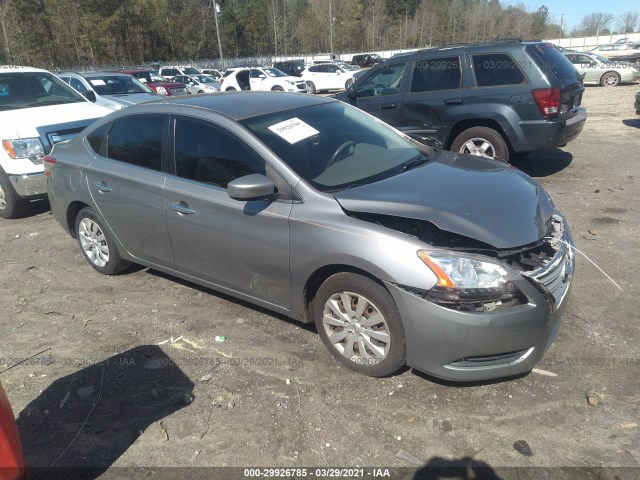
<point x="351" y="92"/>
<point x="90" y="95"/>
<point x="262" y="76"/>
<point x="251" y="187"/>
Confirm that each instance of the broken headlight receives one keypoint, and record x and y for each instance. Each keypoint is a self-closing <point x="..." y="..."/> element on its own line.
<point x="478" y="283"/>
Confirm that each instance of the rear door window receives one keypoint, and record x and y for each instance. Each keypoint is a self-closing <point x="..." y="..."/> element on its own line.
<point x="137" y="140"/>
<point x="496" y="69"/>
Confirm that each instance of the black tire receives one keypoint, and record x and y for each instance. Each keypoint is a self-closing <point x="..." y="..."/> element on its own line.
<point x="348" y="84"/>
<point x="200" y="91"/>
<point x="277" y="88"/>
<point x="610" y="79"/>
<point x="498" y="147"/>
<point x="230" y="89"/>
<point x="12" y="205"/>
<point x="114" y="262"/>
<point x="311" y="88"/>
<point x="376" y="299"/>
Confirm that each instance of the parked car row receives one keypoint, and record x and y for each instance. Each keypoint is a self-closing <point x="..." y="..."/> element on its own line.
<point x="599" y="70"/>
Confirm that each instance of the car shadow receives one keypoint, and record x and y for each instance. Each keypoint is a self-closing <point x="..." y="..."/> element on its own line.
<point x="82" y="423"/>
<point x="543" y="163"/>
<point x="632" y="122"/>
<point x="37" y="207"/>
<point x="465" y="468"/>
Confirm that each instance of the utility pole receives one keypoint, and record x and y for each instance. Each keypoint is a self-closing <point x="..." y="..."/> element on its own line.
<point x="562" y="25"/>
<point x="330" y="30"/>
<point x="216" y="11"/>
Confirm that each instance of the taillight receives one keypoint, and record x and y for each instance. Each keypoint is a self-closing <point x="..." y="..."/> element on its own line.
<point x="49" y="162"/>
<point x="548" y="101"/>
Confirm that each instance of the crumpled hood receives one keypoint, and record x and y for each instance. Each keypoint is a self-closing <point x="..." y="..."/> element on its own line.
<point x="482" y="199"/>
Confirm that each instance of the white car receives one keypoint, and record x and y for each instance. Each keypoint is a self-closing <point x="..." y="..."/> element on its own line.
<point x="327" y="77"/>
<point x="171" y="71"/>
<point x="262" y="79"/>
<point x="37" y="110"/>
<point x="198" y="83"/>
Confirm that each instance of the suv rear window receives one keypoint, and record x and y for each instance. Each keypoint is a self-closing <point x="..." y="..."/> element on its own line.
<point x="545" y="54"/>
<point x="496" y="69"/>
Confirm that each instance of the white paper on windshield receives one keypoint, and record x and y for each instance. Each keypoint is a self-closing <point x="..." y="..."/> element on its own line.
<point x="97" y="82"/>
<point x="293" y="130"/>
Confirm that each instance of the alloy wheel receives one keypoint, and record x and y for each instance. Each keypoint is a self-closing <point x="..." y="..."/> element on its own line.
<point x="93" y="242"/>
<point x="356" y="328"/>
<point x="478" y="147"/>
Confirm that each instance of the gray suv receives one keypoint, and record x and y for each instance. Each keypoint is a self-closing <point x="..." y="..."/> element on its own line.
<point x="492" y="100"/>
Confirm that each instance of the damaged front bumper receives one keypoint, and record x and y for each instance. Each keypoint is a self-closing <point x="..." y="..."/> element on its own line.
<point x="461" y="345"/>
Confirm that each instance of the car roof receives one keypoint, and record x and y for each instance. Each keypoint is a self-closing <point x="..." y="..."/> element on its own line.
<point x="502" y="44"/>
<point x="241" y="105"/>
<point x="103" y="74"/>
<point x="20" y="69"/>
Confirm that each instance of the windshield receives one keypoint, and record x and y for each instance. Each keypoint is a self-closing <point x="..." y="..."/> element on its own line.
<point x="205" y="79"/>
<point x="117" y="85"/>
<point x="334" y="146"/>
<point x="191" y="71"/>
<point x="34" y="89"/>
<point x="274" y="72"/>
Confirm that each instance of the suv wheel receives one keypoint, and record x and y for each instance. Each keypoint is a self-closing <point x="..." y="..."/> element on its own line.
<point x="97" y="244"/>
<point x="359" y="323"/>
<point x="11" y="204"/>
<point x="277" y="88"/>
<point x="481" y="142"/>
<point x="311" y="88"/>
<point x="610" y="79"/>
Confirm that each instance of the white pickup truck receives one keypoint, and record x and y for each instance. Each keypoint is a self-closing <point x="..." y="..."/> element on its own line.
<point x="37" y="110"/>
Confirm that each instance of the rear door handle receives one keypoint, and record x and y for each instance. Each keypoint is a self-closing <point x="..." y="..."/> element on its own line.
<point x="102" y="187"/>
<point x="387" y="106"/>
<point x="182" y="208"/>
<point x="453" y="101"/>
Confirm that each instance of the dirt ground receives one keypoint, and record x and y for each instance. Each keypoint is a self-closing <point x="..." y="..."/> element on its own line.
<point x="128" y="372"/>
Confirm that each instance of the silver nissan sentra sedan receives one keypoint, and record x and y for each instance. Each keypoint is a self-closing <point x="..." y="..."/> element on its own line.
<point x="455" y="265"/>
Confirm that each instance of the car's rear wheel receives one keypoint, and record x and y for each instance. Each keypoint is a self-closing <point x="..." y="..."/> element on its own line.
<point x="277" y="88"/>
<point x="230" y="89"/>
<point x="610" y="79"/>
<point x="348" y="84"/>
<point x="97" y="244"/>
<point x="311" y="88"/>
<point x="360" y="324"/>
<point x="12" y="205"/>
<point x="481" y="142"/>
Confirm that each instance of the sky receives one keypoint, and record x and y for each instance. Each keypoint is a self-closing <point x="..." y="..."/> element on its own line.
<point x="575" y="10"/>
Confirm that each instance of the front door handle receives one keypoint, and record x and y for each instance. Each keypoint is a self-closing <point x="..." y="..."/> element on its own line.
<point x="182" y="208"/>
<point x="453" y="101"/>
<point x="387" y="106"/>
<point x="102" y="187"/>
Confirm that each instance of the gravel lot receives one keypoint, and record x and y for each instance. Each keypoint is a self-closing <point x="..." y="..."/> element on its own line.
<point x="167" y="394"/>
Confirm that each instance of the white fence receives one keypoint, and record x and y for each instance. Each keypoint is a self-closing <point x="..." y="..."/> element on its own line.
<point x="587" y="43"/>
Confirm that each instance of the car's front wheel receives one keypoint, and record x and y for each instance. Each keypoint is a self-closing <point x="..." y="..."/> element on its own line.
<point x="230" y="89"/>
<point x="481" y="142"/>
<point x="12" y="205"/>
<point x="610" y="79"/>
<point x="97" y="244"/>
<point x="311" y="88"/>
<point x="360" y="324"/>
<point x="277" y="88"/>
<point x="348" y="84"/>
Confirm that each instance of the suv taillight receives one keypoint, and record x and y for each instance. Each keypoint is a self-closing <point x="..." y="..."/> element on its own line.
<point x="548" y="101"/>
<point x="49" y="161"/>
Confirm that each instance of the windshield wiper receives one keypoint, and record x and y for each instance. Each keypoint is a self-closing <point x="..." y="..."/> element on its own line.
<point x="416" y="162"/>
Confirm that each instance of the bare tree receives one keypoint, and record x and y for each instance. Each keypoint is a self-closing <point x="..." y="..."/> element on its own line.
<point x="628" y="22"/>
<point x="592" y="24"/>
<point x="4" y="9"/>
